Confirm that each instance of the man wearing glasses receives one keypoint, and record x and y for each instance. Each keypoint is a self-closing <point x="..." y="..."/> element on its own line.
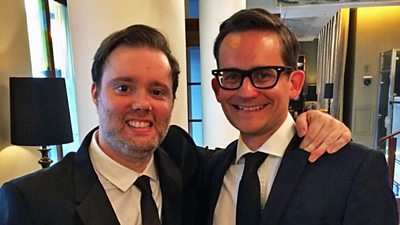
<point x="263" y="177"/>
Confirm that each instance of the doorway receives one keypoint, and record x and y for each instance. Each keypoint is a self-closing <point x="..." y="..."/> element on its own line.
<point x="388" y="118"/>
<point x="389" y="93"/>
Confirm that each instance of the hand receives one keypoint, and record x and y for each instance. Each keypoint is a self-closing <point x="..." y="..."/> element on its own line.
<point x="323" y="133"/>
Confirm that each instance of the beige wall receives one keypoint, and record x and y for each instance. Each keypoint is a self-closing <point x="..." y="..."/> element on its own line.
<point x="377" y="30"/>
<point x="309" y="49"/>
<point x="14" y="61"/>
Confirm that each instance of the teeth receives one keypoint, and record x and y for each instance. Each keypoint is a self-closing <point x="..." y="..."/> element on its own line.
<point x="139" y="124"/>
<point x="254" y="108"/>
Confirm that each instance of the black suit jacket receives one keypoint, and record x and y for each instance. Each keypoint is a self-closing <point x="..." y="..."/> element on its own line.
<point x="350" y="187"/>
<point x="70" y="193"/>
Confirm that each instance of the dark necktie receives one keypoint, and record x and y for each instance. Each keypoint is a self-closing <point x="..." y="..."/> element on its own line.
<point x="248" y="207"/>
<point x="147" y="204"/>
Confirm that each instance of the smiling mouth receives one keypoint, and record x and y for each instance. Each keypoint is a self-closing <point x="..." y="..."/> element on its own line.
<point x="139" y="124"/>
<point x="251" y="109"/>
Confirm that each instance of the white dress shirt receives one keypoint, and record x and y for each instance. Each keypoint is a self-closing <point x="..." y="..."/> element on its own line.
<point x="275" y="146"/>
<point x="118" y="180"/>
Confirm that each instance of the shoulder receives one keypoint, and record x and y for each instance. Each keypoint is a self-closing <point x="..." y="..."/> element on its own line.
<point x="25" y="193"/>
<point x="362" y="152"/>
<point x="368" y="158"/>
<point x="181" y="148"/>
<point x="44" y="177"/>
<point x="220" y="157"/>
<point x="352" y="157"/>
<point x="229" y="149"/>
<point x="61" y="173"/>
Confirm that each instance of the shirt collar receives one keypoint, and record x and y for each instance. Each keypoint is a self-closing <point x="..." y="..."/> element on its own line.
<point x="117" y="174"/>
<point x="276" y="145"/>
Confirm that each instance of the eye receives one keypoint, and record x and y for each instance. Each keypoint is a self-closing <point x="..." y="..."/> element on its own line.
<point x="122" y="88"/>
<point x="160" y="92"/>
<point x="231" y="76"/>
<point x="156" y="92"/>
<point x="264" y="75"/>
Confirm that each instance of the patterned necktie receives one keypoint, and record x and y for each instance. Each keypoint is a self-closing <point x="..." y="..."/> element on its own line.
<point x="248" y="209"/>
<point x="147" y="204"/>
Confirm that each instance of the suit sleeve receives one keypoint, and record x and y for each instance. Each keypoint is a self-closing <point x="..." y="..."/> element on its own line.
<point x="13" y="210"/>
<point x="371" y="200"/>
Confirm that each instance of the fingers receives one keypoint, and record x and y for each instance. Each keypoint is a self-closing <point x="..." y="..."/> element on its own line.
<point x="314" y="155"/>
<point x="318" y="140"/>
<point x="332" y="144"/>
<point x="315" y="133"/>
<point x="301" y="124"/>
<point x="324" y="134"/>
<point x="338" y="136"/>
<point x="319" y="147"/>
<point x="340" y="142"/>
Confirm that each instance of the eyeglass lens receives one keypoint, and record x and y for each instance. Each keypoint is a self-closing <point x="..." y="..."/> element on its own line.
<point x="260" y="78"/>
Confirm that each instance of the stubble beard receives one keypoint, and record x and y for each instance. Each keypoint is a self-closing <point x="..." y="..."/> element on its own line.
<point x="128" y="147"/>
<point x="132" y="149"/>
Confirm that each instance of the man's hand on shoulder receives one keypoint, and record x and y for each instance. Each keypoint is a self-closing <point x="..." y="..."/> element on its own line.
<point x="322" y="133"/>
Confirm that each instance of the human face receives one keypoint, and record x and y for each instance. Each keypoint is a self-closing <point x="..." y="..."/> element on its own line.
<point x="256" y="113"/>
<point x="134" y="102"/>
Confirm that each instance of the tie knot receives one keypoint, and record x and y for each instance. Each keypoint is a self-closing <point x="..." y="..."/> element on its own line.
<point x="253" y="161"/>
<point x="143" y="183"/>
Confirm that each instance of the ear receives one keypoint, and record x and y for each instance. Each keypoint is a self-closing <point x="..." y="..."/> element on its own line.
<point x="296" y="83"/>
<point x="216" y="88"/>
<point x="94" y="93"/>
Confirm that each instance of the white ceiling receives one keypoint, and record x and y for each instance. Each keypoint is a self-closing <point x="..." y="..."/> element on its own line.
<point x="307" y="17"/>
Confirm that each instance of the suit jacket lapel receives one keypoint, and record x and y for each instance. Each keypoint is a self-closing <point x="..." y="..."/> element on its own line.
<point x="290" y="170"/>
<point x="94" y="208"/>
<point x="220" y="161"/>
<point x="171" y="188"/>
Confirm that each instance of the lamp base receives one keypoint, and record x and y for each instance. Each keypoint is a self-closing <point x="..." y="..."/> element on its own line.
<point x="45" y="161"/>
<point x="329" y="106"/>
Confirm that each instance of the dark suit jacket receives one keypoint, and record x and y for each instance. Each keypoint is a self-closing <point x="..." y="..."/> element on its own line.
<point x="350" y="187"/>
<point x="70" y="193"/>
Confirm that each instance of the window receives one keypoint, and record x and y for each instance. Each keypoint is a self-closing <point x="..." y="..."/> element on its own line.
<point x="61" y="54"/>
<point x="194" y="98"/>
<point x="195" y="116"/>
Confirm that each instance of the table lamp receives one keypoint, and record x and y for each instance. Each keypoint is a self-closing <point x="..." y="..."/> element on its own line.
<point x="39" y="114"/>
<point x="311" y="93"/>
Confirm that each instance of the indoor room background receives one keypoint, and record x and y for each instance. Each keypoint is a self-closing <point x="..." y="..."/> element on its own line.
<point x="372" y="31"/>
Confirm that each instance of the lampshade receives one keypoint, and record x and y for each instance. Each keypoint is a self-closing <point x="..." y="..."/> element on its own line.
<point x="311" y="93"/>
<point x="328" y="90"/>
<point x="39" y="111"/>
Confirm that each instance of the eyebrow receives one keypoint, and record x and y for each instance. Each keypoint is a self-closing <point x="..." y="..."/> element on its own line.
<point x="123" y="79"/>
<point x="132" y="80"/>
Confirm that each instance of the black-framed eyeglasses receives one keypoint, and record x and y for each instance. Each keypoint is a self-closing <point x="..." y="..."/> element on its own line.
<point x="262" y="77"/>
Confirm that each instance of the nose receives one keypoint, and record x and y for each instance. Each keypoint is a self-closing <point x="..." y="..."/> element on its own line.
<point x="141" y="102"/>
<point x="247" y="89"/>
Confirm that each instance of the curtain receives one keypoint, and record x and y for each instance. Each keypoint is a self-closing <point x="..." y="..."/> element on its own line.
<point x="331" y="59"/>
